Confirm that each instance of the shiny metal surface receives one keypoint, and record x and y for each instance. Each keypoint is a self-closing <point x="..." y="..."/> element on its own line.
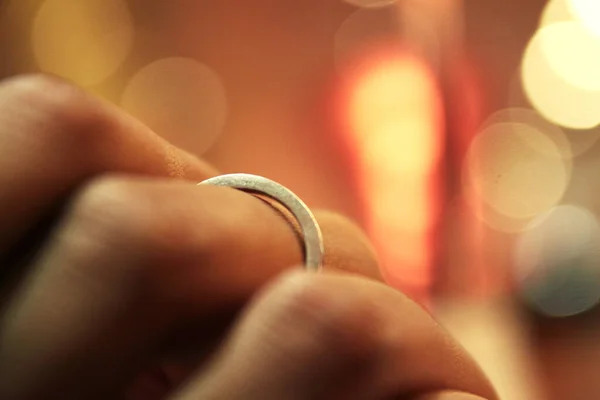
<point x="311" y="232"/>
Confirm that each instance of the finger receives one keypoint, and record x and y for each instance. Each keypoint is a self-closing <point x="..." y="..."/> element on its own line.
<point x="326" y="336"/>
<point x="135" y="261"/>
<point x="53" y="136"/>
<point x="347" y="248"/>
<point x="449" y="396"/>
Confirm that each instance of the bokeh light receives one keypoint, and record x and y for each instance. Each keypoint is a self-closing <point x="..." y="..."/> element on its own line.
<point x="554" y="81"/>
<point x="406" y="203"/>
<point x="573" y="53"/>
<point x="456" y="206"/>
<point x="181" y="99"/>
<point x="394" y="114"/>
<point x="557" y="262"/>
<point x="527" y="116"/>
<point x="587" y="12"/>
<point x="556" y="11"/>
<point x="492" y="218"/>
<point x="584" y="12"/>
<point x="579" y="140"/>
<point x="385" y="112"/>
<point x="529" y="131"/>
<point x="505" y="169"/>
<point x="84" y="41"/>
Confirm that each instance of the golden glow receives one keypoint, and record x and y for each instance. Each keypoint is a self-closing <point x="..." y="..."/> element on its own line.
<point x="556" y="146"/>
<point x="180" y="99"/>
<point x="584" y="12"/>
<point x="84" y="41"/>
<point x="557" y="87"/>
<point x="519" y="115"/>
<point x="499" y="339"/>
<point x="578" y="141"/>
<point x="493" y="219"/>
<point x="573" y="53"/>
<point x="405" y="203"/>
<point x="504" y="169"/>
<point x="561" y="66"/>
<point x="588" y="13"/>
<point x="556" y="11"/>
<point x="406" y="257"/>
<point x="395" y="114"/>
<point x="387" y="115"/>
<point x="401" y="215"/>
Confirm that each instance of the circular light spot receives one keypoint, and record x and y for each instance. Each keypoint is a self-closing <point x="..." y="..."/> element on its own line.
<point x="555" y="11"/>
<point x="588" y="13"/>
<point x="556" y="262"/>
<point x="532" y="118"/>
<point x="564" y="292"/>
<point x="85" y="41"/>
<point x="504" y="170"/>
<point x="492" y="218"/>
<point x="371" y="3"/>
<point x="181" y="99"/>
<point x="573" y="53"/>
<point x="561" y="234"/>
<point x="580" y="140"/>
<point x="560" y="98"/>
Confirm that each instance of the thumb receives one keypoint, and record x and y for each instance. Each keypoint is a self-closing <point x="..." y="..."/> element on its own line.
<point x="321" y="336"/>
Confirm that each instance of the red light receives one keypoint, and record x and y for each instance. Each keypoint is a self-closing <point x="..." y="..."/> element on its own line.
<point x="393" y="112"/>
<point x="390" y="111"/>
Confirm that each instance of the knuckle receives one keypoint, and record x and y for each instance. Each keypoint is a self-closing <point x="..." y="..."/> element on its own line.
<point x="342" y="329"/>
<point x="119" y="212"/>
<point x="123" y="232"/>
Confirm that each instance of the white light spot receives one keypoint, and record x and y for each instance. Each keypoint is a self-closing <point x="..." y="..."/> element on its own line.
<point x="181" y="99"/>
<point x="518" y="115"/>
<point x="505" y="168"/>
<point x="555" y="11"/>
<point x="84" y="41"/>
<point x="556" y="87"/>
<point x="588" y="13"/>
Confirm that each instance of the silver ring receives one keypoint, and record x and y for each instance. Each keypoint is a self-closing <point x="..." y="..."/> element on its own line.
<point x="311" y="232"/>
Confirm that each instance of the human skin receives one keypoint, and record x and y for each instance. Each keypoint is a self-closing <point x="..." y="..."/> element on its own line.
<point x="113" y="261"/>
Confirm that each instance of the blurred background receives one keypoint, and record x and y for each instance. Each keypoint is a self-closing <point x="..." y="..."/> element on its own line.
<point x="461" y="134"/>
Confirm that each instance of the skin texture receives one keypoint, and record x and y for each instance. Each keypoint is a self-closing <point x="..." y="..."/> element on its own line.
<point x="123" y="279"/>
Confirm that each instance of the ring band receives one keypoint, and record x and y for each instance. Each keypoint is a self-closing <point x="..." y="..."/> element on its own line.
<point x="311" y="232"/>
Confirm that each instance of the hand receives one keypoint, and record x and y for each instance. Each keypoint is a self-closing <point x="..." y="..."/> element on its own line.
<point x="112" y="261"/>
